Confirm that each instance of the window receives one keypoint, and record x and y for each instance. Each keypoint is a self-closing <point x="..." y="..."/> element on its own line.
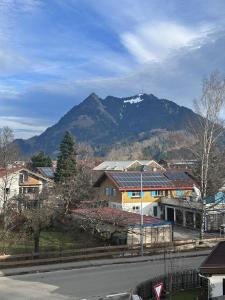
<point x="107" y="191"/>
<point x="180" y="193"/>
<point x="110" y="191"/>
<point x="135" y="194"/>
<point x="158" y="193"/>
<point x="136" y="208"/>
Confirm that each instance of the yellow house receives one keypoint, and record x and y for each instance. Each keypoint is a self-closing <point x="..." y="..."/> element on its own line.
<point x="123" y="189"/>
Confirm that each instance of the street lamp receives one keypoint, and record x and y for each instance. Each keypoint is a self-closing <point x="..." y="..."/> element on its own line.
<point x="141" y="228"/>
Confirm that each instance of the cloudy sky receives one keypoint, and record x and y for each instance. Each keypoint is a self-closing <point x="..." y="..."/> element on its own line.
<point x="53" y="53"/>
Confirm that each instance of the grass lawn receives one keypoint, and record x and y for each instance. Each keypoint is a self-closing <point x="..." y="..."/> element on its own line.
<point x="49" y="241"/>
<point x="186" y="295"/>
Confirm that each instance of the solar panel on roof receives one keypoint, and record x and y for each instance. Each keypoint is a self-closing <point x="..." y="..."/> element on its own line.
<point x="177" y="175"/>
<point x="148" y="179"/>
<point x="47" y="171"/>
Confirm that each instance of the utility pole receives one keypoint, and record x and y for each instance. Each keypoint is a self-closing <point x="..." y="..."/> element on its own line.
<point x="141" y="228"/>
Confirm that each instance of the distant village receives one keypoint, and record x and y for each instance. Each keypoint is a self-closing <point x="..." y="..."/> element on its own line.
<point x="122" y="196"/>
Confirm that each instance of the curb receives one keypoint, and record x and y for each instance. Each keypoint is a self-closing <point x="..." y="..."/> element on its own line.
<point x="89" y="264"/>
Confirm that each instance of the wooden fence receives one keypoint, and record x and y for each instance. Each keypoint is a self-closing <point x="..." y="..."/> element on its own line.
<point x="30" y="259"/>
<point x="172" y="282"/>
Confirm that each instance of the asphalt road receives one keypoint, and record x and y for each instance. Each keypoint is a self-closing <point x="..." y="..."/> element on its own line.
<point x="88" y="283"/>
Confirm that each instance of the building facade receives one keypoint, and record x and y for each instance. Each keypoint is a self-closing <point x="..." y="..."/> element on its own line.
<point x="20" y="181"/>
<point x="128" y="190"/>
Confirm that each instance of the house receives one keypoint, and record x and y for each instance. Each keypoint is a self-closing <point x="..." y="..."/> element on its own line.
<point x="123" y="227"/>
<point x="123" y="190"/>
<point x="31" y="183"/>
<point x="9" y="183"/>
<point x="178" y="164"/>
<point x="124" y="165"/>
<point x="19" y="180"/>
<point x="213" y="268"/>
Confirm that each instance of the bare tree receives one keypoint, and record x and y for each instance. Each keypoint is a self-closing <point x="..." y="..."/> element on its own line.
<point x="207" y="132"/>
<point x="9" y="153"/>
<point x="102" y="223"/>
<point x="75" y="189"/>
<point x="38" y="214"/>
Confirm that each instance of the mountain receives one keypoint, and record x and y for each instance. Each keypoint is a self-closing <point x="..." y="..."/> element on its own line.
<point x="105" y="122"/>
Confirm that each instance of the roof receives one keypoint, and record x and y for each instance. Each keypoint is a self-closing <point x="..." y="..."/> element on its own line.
<point x="121" y="165"/>
<point x="4" y="171"/>
<point x="180" y="178"/>
<point x="118" y="217"/>
<point x="46" y="171"/>
<point x="131" y="180"/>
<point x="35" y="174"/>
<point x="114" y="165"/>
<point x="215" y="262"/>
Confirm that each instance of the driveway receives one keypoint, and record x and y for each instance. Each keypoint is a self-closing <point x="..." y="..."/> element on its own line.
<point x="183" y="233"/>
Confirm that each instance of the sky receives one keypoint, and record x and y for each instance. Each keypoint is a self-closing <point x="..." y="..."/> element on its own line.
<point x="54" y="53"/>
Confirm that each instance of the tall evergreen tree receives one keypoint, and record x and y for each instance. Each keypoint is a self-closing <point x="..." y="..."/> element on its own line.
<point x="40" y="160"/>
<point x="66" y="163"/>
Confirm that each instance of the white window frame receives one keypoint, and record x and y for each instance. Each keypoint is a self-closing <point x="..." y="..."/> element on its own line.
<point x="136" y="194"/>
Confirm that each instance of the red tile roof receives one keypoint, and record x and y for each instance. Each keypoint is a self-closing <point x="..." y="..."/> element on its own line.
<point x="117" y="216"/>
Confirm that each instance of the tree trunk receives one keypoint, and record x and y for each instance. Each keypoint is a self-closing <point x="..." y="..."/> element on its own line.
<point x="36" y="242"/>
<point x="203" y="221"/>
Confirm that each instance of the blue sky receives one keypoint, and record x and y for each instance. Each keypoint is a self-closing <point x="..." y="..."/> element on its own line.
<point x="53" y="53"/>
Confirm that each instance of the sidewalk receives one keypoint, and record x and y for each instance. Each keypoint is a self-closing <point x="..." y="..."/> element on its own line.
<point x="99" y="262"/>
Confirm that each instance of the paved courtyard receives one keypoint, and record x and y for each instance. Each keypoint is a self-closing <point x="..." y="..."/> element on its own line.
<point x="182" y="233"/>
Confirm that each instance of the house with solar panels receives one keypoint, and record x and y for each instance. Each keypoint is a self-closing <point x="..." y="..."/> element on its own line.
<point x="127" y="190"/>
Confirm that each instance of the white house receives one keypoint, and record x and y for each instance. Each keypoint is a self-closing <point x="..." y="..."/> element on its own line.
<point x="213" y="269"/>
<point x="19" y="180"/>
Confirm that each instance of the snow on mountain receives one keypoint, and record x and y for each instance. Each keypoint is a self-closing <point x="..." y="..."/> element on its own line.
<point x="136" y="99"/>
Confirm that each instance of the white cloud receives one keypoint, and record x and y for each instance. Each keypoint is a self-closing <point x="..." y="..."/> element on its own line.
<point x="27" y="126"/>
<point x="155" y="41"/>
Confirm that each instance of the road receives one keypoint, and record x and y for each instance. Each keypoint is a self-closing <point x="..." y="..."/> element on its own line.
<point x="88" y="283"/>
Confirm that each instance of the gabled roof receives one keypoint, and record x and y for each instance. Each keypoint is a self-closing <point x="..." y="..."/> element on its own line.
<point x="4" y="172"/>
<point x="117" y="217"/>
<point x="215" y="262"/>
<point x="131" y="180"/>
<point x="120" y="165"/>
<point x="35" y="174"/>
<point x="114" y="165"/>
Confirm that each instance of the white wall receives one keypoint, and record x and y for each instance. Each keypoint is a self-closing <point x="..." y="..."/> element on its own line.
<point x="147" y="208"/>
<point x="216" y="285"/>
<point x="10" y="181"/>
